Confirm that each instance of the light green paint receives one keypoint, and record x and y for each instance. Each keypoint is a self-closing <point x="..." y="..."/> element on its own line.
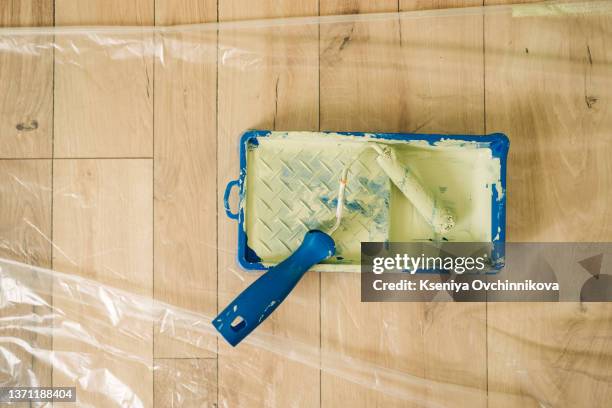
<point x="293" y="176"/>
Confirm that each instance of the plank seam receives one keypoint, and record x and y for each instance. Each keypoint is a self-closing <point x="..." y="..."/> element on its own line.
<point x="153" y="204"/>
<point x="52" y="169"/>
<point x="217" y="195"/>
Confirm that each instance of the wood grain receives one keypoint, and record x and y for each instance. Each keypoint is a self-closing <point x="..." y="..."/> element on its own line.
<point x="25" y="236"/>
<point x="560" y="145"/>
<point x="273" y="86"/>
<point x="407" y="5"/>
<point x="104" y="107"/>
<point x="26" y="106"/>
<point x="104" y="12"/>
<point x="102" y="221"/>
<point x="423" y="67"/>
<point x="185" y="383"/>
<point x="548" y="87"/>
<point x="26" y="13"/>
<point x="332" y="7"/>
<point x="172" y="12"/>
<point x="104" y="96"/>
<point x="102" y="231"/>
<point x="26" y="211"/>
<point x="185" y="173"/>
<point x="26" y="82"/>
<point x="234" y="10"/>
<point x="503" y="2"/>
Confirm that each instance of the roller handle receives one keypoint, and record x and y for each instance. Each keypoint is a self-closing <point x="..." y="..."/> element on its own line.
<point x="264" y="295"/>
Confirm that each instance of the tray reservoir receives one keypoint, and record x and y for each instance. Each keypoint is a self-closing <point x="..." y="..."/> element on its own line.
<point x="289" y="183"/>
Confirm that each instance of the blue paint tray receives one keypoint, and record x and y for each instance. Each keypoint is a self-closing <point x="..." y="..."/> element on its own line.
<point x="289" y="180"/>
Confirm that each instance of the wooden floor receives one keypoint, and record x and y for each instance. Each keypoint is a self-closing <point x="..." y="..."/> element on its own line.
<point x="84" y="138"/>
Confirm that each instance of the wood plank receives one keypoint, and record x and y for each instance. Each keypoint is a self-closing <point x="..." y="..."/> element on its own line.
<point x="549" y="86"/>
<point x="26" y="13"/>
<point x="26" y="82"/>
<point x="26" y="106"/>
<point x="503" y="2"/>
<point x="104" y="99"/>
<point x="102" y="221"/>
<point x="556" y="354"/>
<point x="407" y="5"/>
<point x="233" y="10"/>
<point x="25" y="214"/>
<point x="186" y="383"/>
<point x="525" y="67"/>
<point x="104" y="12"/>
<point x="428" y="77"/>
<point x="273" y="85"/>
<point x="331" y="7"/>
<point x="185" y="172"/>
<point x="172" y="12"/>
<point x="25" y="236"/>
<point x="102" y="216"/>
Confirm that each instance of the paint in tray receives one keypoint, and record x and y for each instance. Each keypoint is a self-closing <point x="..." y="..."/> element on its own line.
<point x="289" y="181"/>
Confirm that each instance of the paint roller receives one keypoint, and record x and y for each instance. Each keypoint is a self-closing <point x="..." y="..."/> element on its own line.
<point x="251" y="307"/>
<point x="439" y="217"/>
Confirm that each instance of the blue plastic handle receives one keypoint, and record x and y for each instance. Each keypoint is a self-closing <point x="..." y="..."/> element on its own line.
<point x="264" y="295"/>
<point x="226" y="204"/>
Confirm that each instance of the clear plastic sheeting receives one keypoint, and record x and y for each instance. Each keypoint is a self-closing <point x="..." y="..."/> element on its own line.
<point x="117" y="143"/>
<point x="103" y="350"/>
